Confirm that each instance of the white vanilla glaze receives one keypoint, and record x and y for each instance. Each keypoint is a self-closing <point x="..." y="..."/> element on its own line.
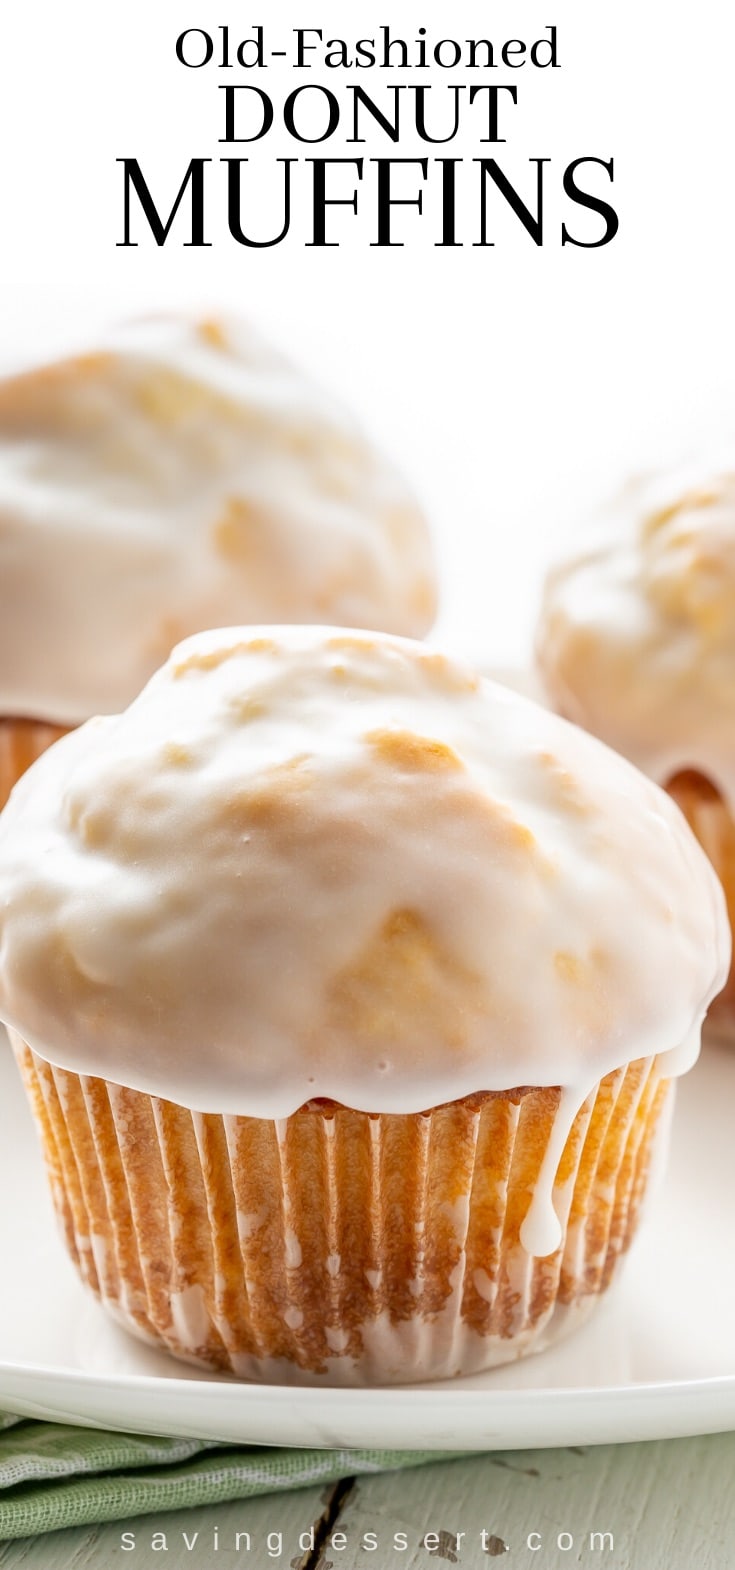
<point x="181" y="476"/>
<point x="636" y="640"/>
<point x="312" y="863"/>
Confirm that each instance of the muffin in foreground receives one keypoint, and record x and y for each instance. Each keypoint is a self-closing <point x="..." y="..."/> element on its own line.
<point x="180" y="476"/>
<point x="636" y="642"/>
<point x="348" y="990"/>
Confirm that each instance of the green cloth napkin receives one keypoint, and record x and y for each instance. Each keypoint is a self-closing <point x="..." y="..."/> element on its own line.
<point x="53" y="1475"/>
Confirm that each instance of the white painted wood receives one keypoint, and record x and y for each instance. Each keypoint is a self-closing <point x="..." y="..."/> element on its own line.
<point x="669" y="1505"/>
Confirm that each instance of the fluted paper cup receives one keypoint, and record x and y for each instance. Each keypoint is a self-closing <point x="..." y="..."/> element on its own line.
<point x="338" y="1246"/>
<point x="21" y="742"/>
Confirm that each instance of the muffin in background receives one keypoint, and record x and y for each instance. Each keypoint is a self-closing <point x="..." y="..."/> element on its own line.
<point x="636" y="643"/>
<point x="181" y="475"/>
<point x="348" y="991"/>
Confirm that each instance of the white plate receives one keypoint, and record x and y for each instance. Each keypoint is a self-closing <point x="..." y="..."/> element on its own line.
<point x="656" y="1361"/>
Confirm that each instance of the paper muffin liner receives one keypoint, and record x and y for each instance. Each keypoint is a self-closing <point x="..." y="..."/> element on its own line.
<point x="21" y="742"/>
<point x="711" y="821"/>
<point x="340" y="1246"/>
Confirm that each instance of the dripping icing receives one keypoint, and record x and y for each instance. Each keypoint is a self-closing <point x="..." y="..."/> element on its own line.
<point x="541" y="1231"/>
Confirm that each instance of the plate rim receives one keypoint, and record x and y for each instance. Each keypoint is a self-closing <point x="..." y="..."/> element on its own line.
<point x="490" y="1420"/>
<point x="346" y="1393"/>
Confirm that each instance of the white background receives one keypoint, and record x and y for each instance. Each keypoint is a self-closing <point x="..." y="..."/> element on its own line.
<point x="514" y="384"/>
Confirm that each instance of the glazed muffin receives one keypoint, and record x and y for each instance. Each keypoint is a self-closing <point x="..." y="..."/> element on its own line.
<point x="181" y="476"/>
<point x="348" y="991"/>
<point x="636" y="642"/>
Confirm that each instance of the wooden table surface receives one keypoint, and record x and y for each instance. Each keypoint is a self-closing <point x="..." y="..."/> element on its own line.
<point x="661" y="1506"/>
